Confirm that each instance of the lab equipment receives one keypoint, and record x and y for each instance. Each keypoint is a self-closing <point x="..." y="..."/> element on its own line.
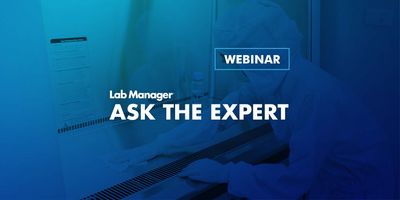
<point x="319" y="144"/>
<point x="198" y="85"/>
<point x="162" y="182"/>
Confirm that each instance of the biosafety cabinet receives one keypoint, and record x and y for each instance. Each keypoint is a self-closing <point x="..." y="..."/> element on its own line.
<point x="95" y="46"/>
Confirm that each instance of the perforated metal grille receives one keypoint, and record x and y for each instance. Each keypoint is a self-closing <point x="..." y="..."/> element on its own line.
<point x="152" y="177"/>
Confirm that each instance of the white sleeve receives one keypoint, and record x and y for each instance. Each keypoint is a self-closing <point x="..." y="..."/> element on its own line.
<point x="309" y="145"/>
<point x="192" y="134"/>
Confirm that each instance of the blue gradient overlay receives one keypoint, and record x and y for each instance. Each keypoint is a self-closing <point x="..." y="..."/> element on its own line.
<point x="343" y="95"/>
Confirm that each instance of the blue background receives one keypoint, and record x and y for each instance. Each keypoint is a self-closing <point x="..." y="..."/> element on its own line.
<point x="356" y="46"/>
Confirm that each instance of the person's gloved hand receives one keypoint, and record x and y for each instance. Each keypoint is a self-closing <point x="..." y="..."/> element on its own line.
<point x="244" y="95"/>
<point x="120" y="161"/>
<point x="208" y="171"/>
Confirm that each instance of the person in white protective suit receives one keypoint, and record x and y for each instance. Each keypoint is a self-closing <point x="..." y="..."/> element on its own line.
<point x="335" y="145"/>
